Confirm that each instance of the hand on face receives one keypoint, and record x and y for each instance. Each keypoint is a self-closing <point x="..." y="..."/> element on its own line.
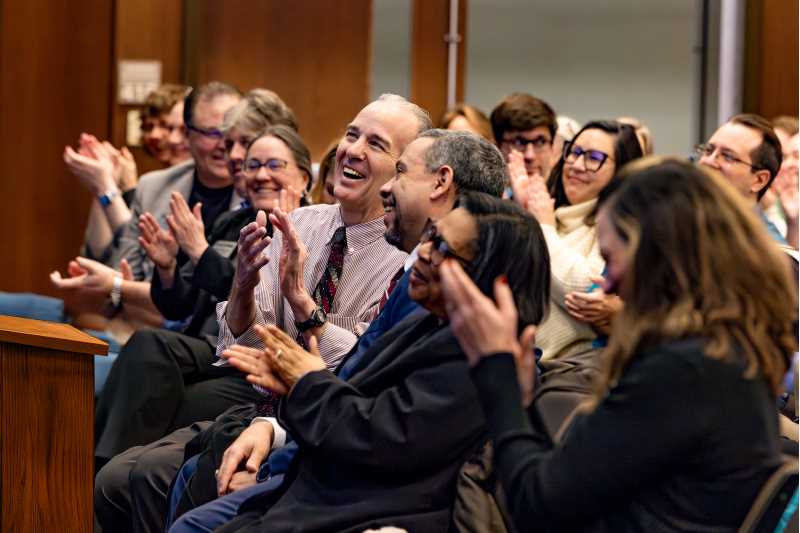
<point x="531" y="193"/>
<point x="250" y="257"/>
<point x="187" y="226"/>
<point x="159" y="244"/>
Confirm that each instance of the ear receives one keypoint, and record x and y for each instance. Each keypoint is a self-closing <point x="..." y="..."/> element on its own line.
<point x="444" y="183"/>
<point x="760" y="181"/>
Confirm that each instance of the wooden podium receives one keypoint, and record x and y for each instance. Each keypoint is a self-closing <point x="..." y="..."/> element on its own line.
<point x="46" y="426"/>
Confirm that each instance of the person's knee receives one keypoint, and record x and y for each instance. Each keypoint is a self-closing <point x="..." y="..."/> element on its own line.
<point x="143" y="344"/>
<point x="155" y="469"/>
<point x="111" y="487"/>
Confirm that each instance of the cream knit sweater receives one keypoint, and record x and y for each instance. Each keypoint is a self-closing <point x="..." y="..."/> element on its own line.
<point x="574" y="259"/>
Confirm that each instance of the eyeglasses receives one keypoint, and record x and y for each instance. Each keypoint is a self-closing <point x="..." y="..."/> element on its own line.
<point x="441" y="246"/>
<point x="707" y="150"/>
<point x="521" y="143"/>
<point x="253" y="165"/>
<point x="592" y="159"/>
<point x="211" y="133"/>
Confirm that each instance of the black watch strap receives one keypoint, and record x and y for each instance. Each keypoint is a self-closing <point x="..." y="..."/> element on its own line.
<point x="315" y="320"/>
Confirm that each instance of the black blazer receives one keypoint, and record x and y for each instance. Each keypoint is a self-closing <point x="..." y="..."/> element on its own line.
<point x="198" y="288"/>
<point x="384" y="448"/>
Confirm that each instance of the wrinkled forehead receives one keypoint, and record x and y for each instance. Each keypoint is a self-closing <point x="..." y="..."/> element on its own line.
<point x="391" y="121"/>
<point x="736" y="138"/>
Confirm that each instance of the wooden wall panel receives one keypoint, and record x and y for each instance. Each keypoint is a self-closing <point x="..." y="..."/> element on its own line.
<point x="149" y="30"/>
<point x="314" y="54"/>
<point x="430" y="24"/>
<point x="771" y="66"/>
<point x="55" y="82"/>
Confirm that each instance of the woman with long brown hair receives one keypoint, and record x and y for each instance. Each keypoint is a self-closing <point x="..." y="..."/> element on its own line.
<point x="682" y="431"/>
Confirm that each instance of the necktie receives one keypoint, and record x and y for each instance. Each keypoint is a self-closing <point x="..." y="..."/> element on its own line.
<point x="324" y="293"/>
<point x="326" y="288"/>
<point x="390" y="288"/>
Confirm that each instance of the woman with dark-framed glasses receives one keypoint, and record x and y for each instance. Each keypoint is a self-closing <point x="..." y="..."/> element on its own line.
<point x="580" y="313"/>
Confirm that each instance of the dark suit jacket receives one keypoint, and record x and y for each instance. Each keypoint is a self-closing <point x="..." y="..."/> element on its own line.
<point x="384" y="448"/>
<point x="198" y="288"/>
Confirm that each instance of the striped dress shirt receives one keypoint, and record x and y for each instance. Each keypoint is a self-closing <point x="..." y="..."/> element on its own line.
<point x="369" y="264"/>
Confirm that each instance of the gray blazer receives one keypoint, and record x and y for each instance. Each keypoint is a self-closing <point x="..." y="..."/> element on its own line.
<point x="152" y="195"/>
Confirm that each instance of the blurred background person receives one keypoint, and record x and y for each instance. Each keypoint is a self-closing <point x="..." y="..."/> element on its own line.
<point x="258" y="109"/>
<point x="322" y="190"/>
<point x="162" y="127"/>
<point x="465" y="117"/>
<point x="567" y="128"/>
<point x="643" y="133"/>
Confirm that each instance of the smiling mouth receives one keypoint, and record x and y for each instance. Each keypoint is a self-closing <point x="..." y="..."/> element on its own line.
<point x="349" y="173"/>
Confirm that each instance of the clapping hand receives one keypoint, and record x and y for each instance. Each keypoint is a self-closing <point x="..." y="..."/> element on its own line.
<point x="595" y="308"/>
<point x="250" y="258"/>
<point x="159" y="244"/>
<point x="292" y="264"/>
<point x="187" y="226"/>
<point x="92" y="164"/>
<point x="280" y="364"/>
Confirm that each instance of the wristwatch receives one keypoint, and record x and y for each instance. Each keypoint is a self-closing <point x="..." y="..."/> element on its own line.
<point x="106" y="199"/>
<point x="317" y="318"/>
<point x="116" y="292"/>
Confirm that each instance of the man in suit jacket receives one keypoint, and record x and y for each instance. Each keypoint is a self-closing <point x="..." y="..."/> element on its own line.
<point x="205" y="180"/>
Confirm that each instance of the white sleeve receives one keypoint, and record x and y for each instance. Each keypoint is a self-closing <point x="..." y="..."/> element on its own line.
<point x="279" y="439"/>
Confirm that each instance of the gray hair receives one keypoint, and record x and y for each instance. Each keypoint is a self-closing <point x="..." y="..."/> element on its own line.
<point x="258" y="110"/>
<point x="477" y="163"/>
<point x="423" y="118"/>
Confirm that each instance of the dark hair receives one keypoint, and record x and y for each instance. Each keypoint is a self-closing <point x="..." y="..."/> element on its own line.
<point x="769" y="154"/>
<point x="626" y="149"/>
<point x="477" y="164"/>
<point x="209" y="91"/>
<point x="506" y="233"/>
<point x="700" y="264"/>
<point x="295" y="144"/>
<point x="520" y="112"/>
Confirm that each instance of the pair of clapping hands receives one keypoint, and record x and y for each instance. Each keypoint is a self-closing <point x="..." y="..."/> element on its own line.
<point x="250" y="257"/>
<point x="100" y="166"/>
<point x="186" y="232"/>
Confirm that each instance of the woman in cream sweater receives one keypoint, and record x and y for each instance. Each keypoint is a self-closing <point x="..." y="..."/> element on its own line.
<point x="566" y="206"/>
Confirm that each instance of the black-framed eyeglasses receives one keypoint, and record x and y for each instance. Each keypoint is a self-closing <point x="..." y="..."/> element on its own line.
<point x="521" y="143"/>
<point x="211" y="133"/>
<point x="253" y="165"/>
<point x="440" y="245"/>
<point x="592" y="159"/>
<point x="708" y="149"/>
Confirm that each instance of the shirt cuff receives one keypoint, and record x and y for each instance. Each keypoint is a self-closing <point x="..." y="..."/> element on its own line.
<point x="279" y="434"/>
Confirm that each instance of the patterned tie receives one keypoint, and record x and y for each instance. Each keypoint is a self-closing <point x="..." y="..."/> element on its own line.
<point x="388" y="292"/>
<point x="323" y="296"/>
<point x="326" y="288"/>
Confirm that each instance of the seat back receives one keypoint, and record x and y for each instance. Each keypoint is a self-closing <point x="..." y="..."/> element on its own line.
<point x="775" y="506"/>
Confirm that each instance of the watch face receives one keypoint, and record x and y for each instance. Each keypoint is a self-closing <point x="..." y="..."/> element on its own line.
<point x="318" y="316"/>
